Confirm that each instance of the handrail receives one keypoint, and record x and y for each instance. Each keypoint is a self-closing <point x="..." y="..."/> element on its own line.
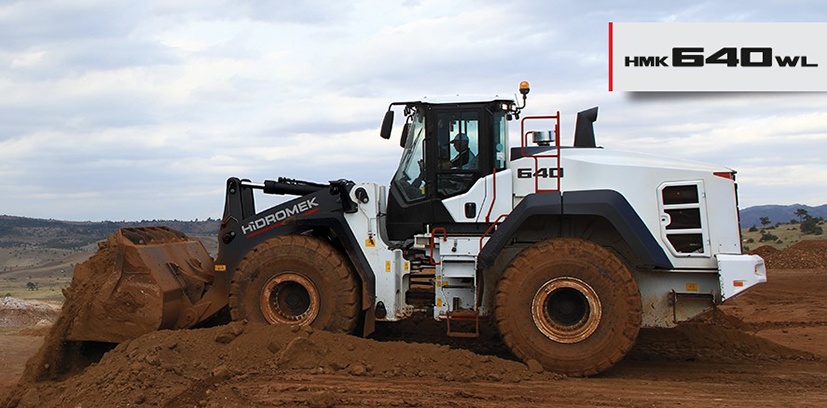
<point x="536" y="157"/>
<point x="494" y="197"/>
<point x="491" y="227"/>
<point x="444" y="238"/>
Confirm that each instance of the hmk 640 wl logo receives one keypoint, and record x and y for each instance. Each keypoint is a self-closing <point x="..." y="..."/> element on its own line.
<point x="717" y="57"/>
<point x="275" y="219"/>
<point x="727" y="56"/>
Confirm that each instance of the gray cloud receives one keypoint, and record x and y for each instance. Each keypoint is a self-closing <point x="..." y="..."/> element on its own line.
<point x="33" y="23"/>
<point x="125" y="110"/>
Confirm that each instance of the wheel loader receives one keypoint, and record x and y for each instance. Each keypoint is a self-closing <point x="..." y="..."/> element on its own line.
<point x="569" y="249"/>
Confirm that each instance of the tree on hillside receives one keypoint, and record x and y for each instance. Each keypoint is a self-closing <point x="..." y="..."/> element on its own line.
<point x="767" y="237"/>
<point x="801" y="213"/>
<point x="810" y="225"/>
<point x="765" y="221"/>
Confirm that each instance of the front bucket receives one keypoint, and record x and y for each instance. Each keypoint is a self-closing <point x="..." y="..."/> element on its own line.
<point x="140" y="280"/>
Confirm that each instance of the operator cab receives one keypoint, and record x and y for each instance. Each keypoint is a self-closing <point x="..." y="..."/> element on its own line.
<point x="448" y="146"/>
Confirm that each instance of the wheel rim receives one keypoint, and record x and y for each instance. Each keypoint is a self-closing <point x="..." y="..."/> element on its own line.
<point x="566" y="310"/>
<point x="289" y="298"/>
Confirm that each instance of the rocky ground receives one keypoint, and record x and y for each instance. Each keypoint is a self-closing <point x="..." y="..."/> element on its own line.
<point x="767" y="347"/>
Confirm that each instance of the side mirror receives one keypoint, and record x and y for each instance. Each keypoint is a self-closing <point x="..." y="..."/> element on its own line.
<point x="387" y="125"/>
<point x="405" y="130"/>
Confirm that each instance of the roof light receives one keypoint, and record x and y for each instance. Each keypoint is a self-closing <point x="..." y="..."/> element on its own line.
<point x="524" y="88"/>
<point x="725" y="174"/>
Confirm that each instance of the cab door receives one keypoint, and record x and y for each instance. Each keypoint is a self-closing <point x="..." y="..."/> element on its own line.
<point x="480" y="191"/>
<point x="449" y="148"/>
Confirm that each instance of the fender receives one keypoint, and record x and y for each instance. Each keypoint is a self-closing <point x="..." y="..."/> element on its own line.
<point x="242" y="229"/>
<point x="608" y="204"/>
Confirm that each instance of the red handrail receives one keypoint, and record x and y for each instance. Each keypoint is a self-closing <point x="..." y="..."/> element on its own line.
<point x="491" y="227"/>
<point x="494" y="197"/>
<point x="444" y="238"/>
<point x="555" y="155"/>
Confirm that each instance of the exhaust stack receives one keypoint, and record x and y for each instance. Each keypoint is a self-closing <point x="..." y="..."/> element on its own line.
<point x="584" y="128"/>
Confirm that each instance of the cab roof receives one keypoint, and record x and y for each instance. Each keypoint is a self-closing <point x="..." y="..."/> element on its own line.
<point x="452" y="99"/>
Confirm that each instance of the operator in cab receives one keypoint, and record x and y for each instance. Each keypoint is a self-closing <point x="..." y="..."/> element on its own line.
<point x="465" y="158"/>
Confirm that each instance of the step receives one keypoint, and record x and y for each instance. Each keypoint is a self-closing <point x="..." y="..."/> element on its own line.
<point x="463" y="316"/>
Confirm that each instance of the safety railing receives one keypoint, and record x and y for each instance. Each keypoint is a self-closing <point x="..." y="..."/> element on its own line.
<point x="544" y="172"/>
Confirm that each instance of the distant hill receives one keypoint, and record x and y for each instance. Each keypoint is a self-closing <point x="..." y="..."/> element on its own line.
<point x="25" y="232"/>
<point x="777" y="213"/>
<point x="21" y="231"/>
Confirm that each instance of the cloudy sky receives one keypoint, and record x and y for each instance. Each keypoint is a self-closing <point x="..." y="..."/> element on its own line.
<point x="129" y="110"/>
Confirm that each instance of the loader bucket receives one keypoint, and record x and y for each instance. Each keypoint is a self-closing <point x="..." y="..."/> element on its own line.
<point x="140" y="280"/>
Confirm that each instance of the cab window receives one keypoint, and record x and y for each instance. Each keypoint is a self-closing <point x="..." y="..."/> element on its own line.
<point x="458" y="152"/>
<point x="458" y="135"/>
<point x="410" y="177"/>
<point x="500" y="129"/>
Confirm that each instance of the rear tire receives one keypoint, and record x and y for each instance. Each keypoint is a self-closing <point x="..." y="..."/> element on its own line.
<point x="569" y="304"/>
<point x="298" y="280"/>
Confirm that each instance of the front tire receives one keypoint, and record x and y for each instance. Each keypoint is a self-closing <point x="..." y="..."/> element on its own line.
<point x="298" y="280"/>
<point x="570" y="304"/>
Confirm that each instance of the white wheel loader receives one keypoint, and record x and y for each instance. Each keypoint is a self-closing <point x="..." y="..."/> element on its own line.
<point x="571" y="249"/>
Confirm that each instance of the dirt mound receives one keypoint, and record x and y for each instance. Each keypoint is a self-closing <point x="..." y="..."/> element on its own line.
<point x="173" y="368"/>
<point x="208" y="367"/>
<point x="198" y="367"/>
<point x="763" y="251"/>
<point x="58" y="357"/>
<point x="711" y="343"/>
<point x="22" y="313"/>
<point x="802" y="255"/>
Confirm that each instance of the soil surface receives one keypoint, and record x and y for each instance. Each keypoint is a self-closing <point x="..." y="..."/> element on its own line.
<point x="767" y="347"/>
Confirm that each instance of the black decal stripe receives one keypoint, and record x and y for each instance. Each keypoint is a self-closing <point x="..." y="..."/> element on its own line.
<point x="608" y="204"/>
<point x="534" y="204"/>
<point x="612" y="206"/>
<point x="328" y="214"/>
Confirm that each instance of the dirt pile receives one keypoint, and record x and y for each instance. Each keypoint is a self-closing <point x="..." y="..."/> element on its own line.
<point x="722" y="343"/>
<point x="241" y="364"/>
<point x="764" y="251"/>
<point x="171" y="368"/>
<point x="802" y="255"/>
<point x="201" y="367"/>
<point x="24" y="313"/>
<point x="58" y="357"/>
